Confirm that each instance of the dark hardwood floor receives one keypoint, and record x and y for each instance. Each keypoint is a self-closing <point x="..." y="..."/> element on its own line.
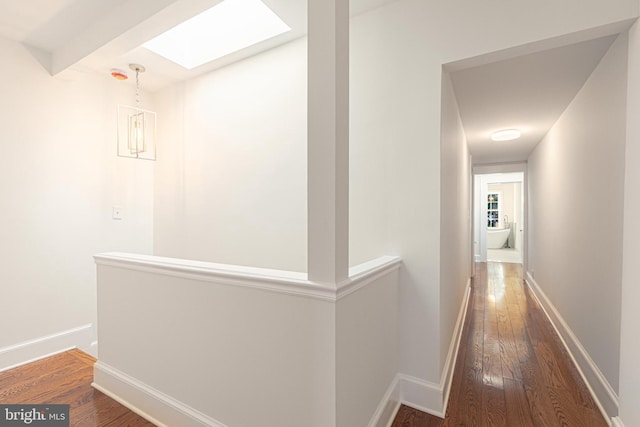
<point x="512" y="370"/>
<point x="66" y="379"/>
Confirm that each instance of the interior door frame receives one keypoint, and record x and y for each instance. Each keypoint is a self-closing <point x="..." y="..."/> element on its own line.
<point x="482" y="170"/>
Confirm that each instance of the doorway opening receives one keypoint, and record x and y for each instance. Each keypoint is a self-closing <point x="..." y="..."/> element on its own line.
<point x="499" y="217"/>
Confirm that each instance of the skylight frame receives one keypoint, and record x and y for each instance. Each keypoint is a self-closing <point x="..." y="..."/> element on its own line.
<point x="233" y="25"/>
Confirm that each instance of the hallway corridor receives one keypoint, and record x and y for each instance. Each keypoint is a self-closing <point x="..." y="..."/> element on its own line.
<point x="512" y="369"/>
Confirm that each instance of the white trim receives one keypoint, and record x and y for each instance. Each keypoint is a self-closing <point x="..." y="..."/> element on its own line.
<point x="406" y="390"/>
<point x="422" y="395"/>
<point x="144" y="400"/>
<point x="39" y="348"/>
<point x="388" y="408"/>
<point x="417" y="393"/>
<point x="616" y="422"/>
<point x="363" y="274"/>
<point x="393" y="414"/>
<point x="500" y="168"/>
<point x="452" y="355"/>
<point x="284" y="282"/>
<point x="603" y="394"/>
<point x="430" y="397"/>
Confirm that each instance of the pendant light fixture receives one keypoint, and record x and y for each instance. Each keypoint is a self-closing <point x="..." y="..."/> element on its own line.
<point x="136" y="127"/>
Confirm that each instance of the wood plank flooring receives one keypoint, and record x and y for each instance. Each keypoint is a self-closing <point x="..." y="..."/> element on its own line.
<point x="512" y="369"/>
<point x="66" y="379"/>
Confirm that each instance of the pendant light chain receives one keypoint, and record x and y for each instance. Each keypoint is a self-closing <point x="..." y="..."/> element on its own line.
<point x="137" y="88"/>
<point x="136" y="127"/>
<point x="138" y="69"/>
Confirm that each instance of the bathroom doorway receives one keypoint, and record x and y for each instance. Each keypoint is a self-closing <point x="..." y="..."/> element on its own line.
<point x="499" y="217"/>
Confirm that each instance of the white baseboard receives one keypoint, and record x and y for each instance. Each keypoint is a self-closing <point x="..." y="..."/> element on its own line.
<point x="145" y="400"/>
<point x="388" y="407"/>
<point x="30" y="351"/>
<point x="419" y="394"/>
<point x="616" y="422"/>
<point x="422" y="395"/>
<point x="601" y="391"/>
<point x="452" y="355"/>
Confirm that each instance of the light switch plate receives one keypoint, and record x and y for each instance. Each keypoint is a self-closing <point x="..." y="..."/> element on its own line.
<point x="116" y="212"/>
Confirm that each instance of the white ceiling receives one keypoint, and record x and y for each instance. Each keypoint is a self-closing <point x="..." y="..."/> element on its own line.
<point x="527" y="92"/>
<point x="77" y="35"/>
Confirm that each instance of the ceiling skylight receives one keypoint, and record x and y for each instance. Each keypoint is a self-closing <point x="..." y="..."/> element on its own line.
<point x="227" y="27"/>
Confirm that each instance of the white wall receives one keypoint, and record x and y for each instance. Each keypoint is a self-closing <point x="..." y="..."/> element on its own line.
<point x="229" y="348"/>
<point x="215" y="133"/>
<point x="629" y="390"/>
<point x="366" y="353"/>
<point x="455" y="215"/>
<point x="231" y="185"/>
<point x="576" y="205"/>
<point x="60" y="178"/>
<point x="398" y="121"/>
<point x="476" y="217"/>
<point x="265" y="348"/>
<point x="369" y="179"/>
<point x="210" y="200"/>
<point x="399" y="52"/>
<point x="411" y="40"/>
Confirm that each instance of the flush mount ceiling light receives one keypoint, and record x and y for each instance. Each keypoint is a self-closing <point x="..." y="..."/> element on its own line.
<point x="505" y="135"/>
<point x="227" y="27"/>
<point x="136" y="127"/>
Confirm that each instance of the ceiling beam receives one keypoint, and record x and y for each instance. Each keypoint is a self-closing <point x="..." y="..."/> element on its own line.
<point x="110" y="26"/>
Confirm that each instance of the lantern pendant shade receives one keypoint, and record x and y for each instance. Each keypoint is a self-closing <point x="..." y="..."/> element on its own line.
<point x="136" y="133"/>
<point x="135" y="141"/>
